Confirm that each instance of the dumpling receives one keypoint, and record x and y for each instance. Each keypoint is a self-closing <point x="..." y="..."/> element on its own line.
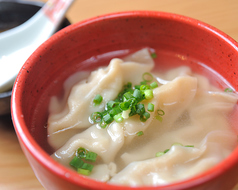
<point x="104" y="142"/>
<point x="108" y="142"/>
<point x="105" y="81"/>
<point x="196" y="113"/>
<point x="178" y="163"/>
<point x="185" y="89"/>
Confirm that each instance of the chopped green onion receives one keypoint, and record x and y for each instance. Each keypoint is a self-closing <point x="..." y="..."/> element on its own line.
<point x="107" y="118"/>
<point x="160" y="112"/>
<point x="87" y="166"/>
<point x="177" y="144"/>
<point x="148" y="94"/>
<point x="127" y="95"/>
<point x="115" y="111"/>
<point x="91" y="156"/>
<point x="228" y="90"/>
<point x="147" y="77"/>
<point x="118" y="118"/>
<point x="138" y="86"/>
<point x="76" y="162"/>
<point x="127" y="103"/>
<point x="103" y="124"/>
<point x="126" y="114"/>
<point x="128" y="85"/>
<point x="111" y="104"/>
<point x="158" y="154"/>
<point x="153" y="55"/>
<point x="132" y="110"/>
<point x="154" y="85"/>
<point x="159" y="118"/>
<point x="189" y="146"/>
<point x="81" y="152"/>
<point x="167" y="150"/>
<point x="96" y="117"/>
<point x="145" y="116"/>
<point x="127" y="88"/>
<point x="137" y="94"/>
<point x="140" y="109"/>
<point x="140" y="133"/>
<point x="83" y="171"/>
<point x="150" y="107"/>
<point x="143" y="83"/>
<point x="97" y="100"/>
<point x="144" y="87"/>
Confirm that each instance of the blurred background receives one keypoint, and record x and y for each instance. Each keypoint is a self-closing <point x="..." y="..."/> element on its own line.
<point x="222" y="14"/>
<point x="15" y="172"/>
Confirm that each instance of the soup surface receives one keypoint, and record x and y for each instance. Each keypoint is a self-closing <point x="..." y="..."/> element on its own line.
<point x="147" y="126"/>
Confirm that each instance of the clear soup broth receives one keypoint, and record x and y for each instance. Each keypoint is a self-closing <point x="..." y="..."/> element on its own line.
<point x="164" y="61"/>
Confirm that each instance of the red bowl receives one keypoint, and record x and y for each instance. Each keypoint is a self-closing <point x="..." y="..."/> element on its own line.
<point x="86" y="45"/>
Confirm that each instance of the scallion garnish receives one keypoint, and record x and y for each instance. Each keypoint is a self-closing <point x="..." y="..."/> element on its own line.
<point x="125" y="105"/>
<point x="111" y="104"/>
<point x="148" y="94"/>
<point x="107" y="118"/>
<point x="127" y="96"/>
<point x="126" y="114"/>
<point x="177" y="144"/>
<point x="144" y="116"/>
<point x="79" y="164"/>
<point x="159" y="115"/>
<point x="76" y="162"/>
<point x="158" y="154"/>
<point x="159" y="118"/>
<point x="118" y="118"/>
<point x="154" y="85"/>
<point x="228" y="90"/>
<point x="160" y="112"/>
<point x="144" y="87"/>
<point x="189" y="146"/>
<point x="83" y="171"/>
<point x="140" y="133"/>
<point x="91" y="156"/>
<point x="97" y="100"/>
<point x="167" y="150"/>
<point x="140" y="109"/>
<point x="150" y="107"/>
<point x="147" y="77"/>
<point x="114" y="111"/>
<point x="128" y="103"/>
<point x="138" y="94"/>
<point x="143" y="82"/>
<point x="87" y="166"/>
<point x="96" y="117"/>
<point x="103" y="124"/>
<point x="81" y="152"/>
<point x="153" y="55"/>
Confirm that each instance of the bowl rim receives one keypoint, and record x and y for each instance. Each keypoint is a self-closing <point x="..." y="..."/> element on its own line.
<point x="28" y="143"/>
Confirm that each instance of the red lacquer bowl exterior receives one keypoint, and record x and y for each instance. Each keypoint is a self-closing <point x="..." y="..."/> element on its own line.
<point x="65" y="53"/>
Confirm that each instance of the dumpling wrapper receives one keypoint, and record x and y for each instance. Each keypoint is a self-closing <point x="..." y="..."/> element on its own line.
<point x="177" y="164"/>
<point x="107" y="82"/>
<point x="182" y="94"/>
<point x="108" y="142"/>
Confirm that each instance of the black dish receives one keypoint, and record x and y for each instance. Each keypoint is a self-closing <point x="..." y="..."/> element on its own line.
<point x="12" y="14"/>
